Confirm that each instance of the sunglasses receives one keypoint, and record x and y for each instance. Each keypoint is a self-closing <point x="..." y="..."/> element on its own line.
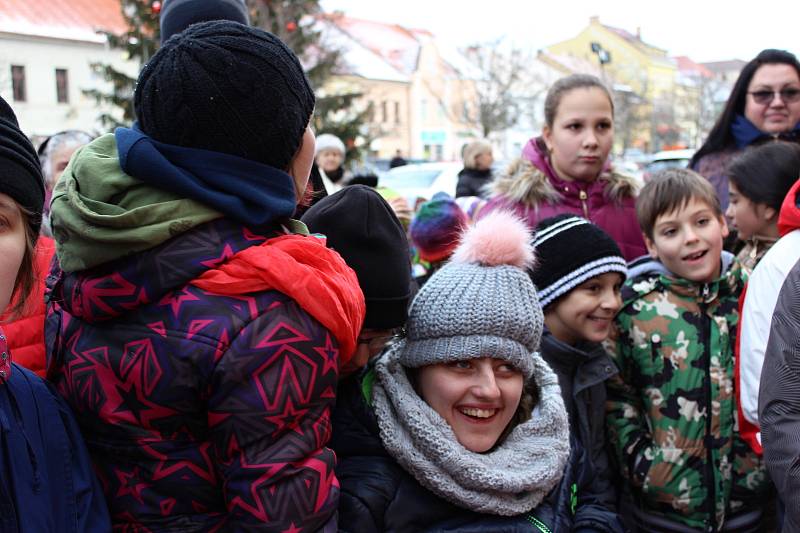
<point x="378" y="343"/>
<point x="788" y="96"/>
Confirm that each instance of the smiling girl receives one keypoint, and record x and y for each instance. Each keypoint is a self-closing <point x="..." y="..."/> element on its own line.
<point x="566" y="170"/>
<point x="460" y="426"/>
<point x="46" y="481"/>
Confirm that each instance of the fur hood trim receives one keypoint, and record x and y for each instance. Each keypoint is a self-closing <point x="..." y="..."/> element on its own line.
<point x="523" y="182"/>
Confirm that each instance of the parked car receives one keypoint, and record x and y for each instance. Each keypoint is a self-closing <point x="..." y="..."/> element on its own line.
<point x="668" y="159"/>
<point x="419" y="182"/>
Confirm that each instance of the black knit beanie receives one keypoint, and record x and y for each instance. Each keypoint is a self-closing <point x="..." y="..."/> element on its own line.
<point x="226" y="87"/>
<point x="20" y="173"/>
<point x="569" y="251"/>
<point x="364" y="230"/>
<point x="177" y="15"/>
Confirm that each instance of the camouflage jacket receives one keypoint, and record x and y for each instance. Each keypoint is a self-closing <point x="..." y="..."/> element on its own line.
<point x="671" y="410"/>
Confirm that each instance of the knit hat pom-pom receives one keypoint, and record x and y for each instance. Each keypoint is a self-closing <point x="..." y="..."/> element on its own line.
<point x="499" y="238"/>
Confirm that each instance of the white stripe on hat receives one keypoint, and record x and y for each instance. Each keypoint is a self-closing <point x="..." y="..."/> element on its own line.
<point x="551" y="231"/>
<point x="578" y="276"/>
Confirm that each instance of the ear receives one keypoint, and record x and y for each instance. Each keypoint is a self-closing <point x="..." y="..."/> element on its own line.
<point x="651" y="246"/>
<point x="724" y="226"/>
<point x="547" y="134"/>
<point x="769" y="213"/>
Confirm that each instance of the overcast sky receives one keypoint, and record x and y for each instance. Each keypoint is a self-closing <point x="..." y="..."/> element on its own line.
<point x="705" y="30"/>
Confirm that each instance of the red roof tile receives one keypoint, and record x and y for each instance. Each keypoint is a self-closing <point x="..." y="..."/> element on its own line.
<point x="64" y="19"/>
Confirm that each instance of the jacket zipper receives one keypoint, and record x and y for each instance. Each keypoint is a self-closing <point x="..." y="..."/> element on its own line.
<point x="583" y="197"/>
<point x="541" y="526"/>
<point x="709" y="439"/>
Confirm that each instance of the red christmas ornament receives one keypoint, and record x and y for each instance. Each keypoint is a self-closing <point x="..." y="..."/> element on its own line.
<point x="156" y="8"/>
<point x="291" y="26"/>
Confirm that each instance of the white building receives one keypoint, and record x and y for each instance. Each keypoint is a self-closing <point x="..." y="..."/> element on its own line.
<point x="46" y="49"/>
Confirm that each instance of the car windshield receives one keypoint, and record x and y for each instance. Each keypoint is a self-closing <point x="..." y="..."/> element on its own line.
<point x="409" y="178"/>
<point x="655" y="166"/>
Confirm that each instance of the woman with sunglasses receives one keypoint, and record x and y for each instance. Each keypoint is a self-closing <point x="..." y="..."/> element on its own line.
<point x="764" y="105"/>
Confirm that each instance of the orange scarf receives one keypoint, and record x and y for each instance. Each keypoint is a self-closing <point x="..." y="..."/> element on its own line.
<point x="302" y="268"/>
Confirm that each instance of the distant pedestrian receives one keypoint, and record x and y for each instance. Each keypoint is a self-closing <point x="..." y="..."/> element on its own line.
<point x="459" y="426"/>
<point x="476" y="175"/>
<point x="397" y="160"/>
<point x="565" y="170"/>
<point x="764" y="105"/>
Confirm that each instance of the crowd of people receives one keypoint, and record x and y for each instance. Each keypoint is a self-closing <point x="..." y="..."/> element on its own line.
<point x="231" y="334"/>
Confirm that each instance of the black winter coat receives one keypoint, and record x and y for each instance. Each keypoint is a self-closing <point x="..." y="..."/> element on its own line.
<point x="377" y="495"/>
<point x="582" y="375"/>
<point x="472" y="182"/>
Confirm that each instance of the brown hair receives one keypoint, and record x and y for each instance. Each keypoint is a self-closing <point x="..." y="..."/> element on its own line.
<point x="568" y="84"/>
<point x="27" y="274"/>
<point x="672" y="189"/>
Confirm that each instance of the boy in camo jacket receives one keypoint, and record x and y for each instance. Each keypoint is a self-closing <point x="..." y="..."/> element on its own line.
<point x="671" y="410"/>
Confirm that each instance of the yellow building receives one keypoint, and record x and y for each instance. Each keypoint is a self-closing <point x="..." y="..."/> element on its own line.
<point x="642" y="69"/>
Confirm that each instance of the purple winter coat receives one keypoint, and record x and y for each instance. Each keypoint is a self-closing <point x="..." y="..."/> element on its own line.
<point x="201" y="412"/>
<point x="531" y="189"/>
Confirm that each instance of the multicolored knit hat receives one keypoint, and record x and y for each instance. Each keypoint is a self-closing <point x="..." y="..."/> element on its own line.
<point x="437" y="227"/>
<point x="571" y="250"/>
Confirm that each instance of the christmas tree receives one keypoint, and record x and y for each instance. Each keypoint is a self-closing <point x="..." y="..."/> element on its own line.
<point x="138" y="43"/>
<point x="296" y="22"/>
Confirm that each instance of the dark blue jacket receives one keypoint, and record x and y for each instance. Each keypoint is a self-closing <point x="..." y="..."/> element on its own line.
<point x="46" y="480"/>
<point x="379" y="496"/>
<point x="582" y="373"/>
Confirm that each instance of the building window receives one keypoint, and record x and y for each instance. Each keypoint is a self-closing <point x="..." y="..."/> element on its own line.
<point x="62" y="86"/>
<point x="397" y="113"/>
<point x="18" y="83"/>
<point x="384" y="112"/>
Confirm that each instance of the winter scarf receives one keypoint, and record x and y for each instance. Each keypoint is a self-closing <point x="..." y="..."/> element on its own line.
<point x="510" y="480"/>
<point x="746" y="133"/>
<point x="99" y="213"/>
<point x="244" y="190"/>
<point x="303" y="268"/>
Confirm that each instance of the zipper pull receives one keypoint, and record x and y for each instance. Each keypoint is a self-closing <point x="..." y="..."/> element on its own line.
<point x="583" y="197"/>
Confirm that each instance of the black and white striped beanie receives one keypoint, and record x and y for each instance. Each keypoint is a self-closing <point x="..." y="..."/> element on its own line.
<point x="569" y="251"/>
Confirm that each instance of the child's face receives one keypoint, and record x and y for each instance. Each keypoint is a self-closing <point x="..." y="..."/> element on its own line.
<point x="688" y="241"/>
<point x="581" y="135"/>
<point x="748" y="218"/>
<point x="477" y="398"/>
<point x="12" y="246"/>
<point x="587" y="311"/>
<point x="329" y="160"/>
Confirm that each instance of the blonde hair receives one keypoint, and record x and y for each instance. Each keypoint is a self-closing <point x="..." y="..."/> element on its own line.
<point x="473" y="150"/>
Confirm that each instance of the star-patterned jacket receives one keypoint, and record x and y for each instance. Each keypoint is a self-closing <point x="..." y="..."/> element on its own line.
<point x="201" y="411"/>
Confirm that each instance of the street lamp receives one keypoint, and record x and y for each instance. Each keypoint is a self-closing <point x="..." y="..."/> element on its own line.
<point x="603" y="55"/>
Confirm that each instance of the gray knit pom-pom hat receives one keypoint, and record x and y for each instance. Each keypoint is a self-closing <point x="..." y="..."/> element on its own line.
<point x="482" y="303"/>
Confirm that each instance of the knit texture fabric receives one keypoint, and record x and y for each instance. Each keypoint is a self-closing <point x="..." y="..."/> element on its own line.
<point x="177" y="15"/>
<point x="20" y="173"/>
<point x="226" y="87"/>
<point x="363" y="229"/>
<point x="468" y="311"/>
<point x="571" y="250"/>
<point x="510" y="480"/>
<point x="436" y="228"/>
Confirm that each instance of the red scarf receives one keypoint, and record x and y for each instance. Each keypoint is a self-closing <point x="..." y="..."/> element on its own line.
<point x="302" y="268"/>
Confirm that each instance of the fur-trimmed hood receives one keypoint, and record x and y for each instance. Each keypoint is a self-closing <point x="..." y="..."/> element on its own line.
<point x="524" y="182"/>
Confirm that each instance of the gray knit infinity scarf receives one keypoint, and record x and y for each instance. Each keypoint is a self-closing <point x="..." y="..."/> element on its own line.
<point x="511" y="480"/>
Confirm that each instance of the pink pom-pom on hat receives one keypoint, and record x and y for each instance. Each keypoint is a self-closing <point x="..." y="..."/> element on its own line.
<point x="499" y="238"/>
